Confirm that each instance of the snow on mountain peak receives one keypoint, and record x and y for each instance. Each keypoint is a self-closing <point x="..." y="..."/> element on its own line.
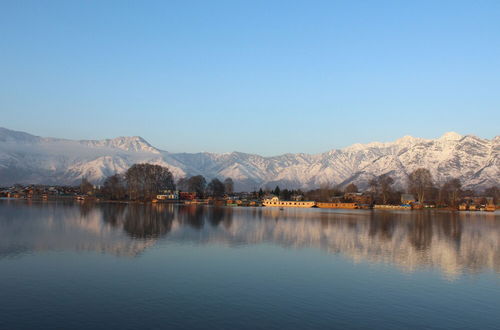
<point x="450" y="136"/>
<point x="132" y="143"/>
<point x="25" y="158"/>
<point x="408" y="139"/>
<point x="405" y="141"/>
<point x="127" y="143"/>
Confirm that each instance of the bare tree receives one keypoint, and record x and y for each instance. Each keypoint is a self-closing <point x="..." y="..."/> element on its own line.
<point x="229" y="185"/>
<point x="183" y="184"/>
<point x="114" y="187"/>
<point x="85" y="186"/>
<point x="451" y="191"/>
<point x="493" y="192"/>
<point x="381" y="187"/>
<point x="384" y="184"/>
<point x="216" y="188"/>
<point x="420" y="183"/>
<point x="351" y="188"/>
<point x="373" y="184"/>
<point x="323" y="194"/>
<point x="144" y="181"/>
<point x="197" y="184"/>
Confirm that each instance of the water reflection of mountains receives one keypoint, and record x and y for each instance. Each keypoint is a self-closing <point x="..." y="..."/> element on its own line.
<point x="452" y="242"/>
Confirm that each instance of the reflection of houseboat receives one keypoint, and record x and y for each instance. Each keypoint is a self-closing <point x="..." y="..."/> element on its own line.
<point x="327" y="205"/>
<point x="275" y="202"/>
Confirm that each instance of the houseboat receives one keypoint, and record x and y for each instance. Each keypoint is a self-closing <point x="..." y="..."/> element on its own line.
<point x="328" y="205"/>
<point x="490" y="208"/>
<point x="392" y="207"/>
<point x="275" y="202"/>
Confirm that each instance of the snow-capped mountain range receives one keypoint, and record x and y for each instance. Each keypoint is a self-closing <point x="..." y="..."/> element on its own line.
<point x="25" y="158"/>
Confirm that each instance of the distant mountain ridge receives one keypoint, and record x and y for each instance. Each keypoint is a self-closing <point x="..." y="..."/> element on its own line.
<point x="25" y="158"/>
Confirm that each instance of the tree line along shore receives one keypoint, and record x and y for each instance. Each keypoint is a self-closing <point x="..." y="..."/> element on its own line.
<point x="155" y="183"/>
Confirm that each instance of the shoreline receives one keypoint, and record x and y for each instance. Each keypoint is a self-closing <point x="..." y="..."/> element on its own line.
<point x="181" y="203"/>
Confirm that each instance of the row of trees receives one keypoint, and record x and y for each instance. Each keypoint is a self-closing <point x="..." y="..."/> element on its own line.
<point x="420" y="183"/>
<point x="284" y="194"/>
<point x="140" y="182"/>
<point x="423" y="187"/>
<point x="145" y="181"/>
<point x="199" y="185"/>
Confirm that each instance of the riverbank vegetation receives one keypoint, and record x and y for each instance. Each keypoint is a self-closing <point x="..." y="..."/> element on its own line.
<point x="145" y="182"/>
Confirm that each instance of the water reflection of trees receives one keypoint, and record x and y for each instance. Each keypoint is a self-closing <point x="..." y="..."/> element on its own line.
<point x="381" y="226"/>
<point x="220" y="216"/>
<point x="155" y="220"/>
<point x="452" y="228"/>
<point x="196" y="216"/>
<point x="148" y="221"/>
<point x="420" y="227"/>
<point x="85" y="208"/>
<point x="407" y="239"/>
<point x="420" y="230"/>
<point x="113" y="213"/>
<point x="139" y="220"/>
<point x="410" y="239"/>
<point x="216" y="216"/>
<point x="192" y="215"/>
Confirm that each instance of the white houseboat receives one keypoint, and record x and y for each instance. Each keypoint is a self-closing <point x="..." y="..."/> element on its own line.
<point x="275" y="202"/>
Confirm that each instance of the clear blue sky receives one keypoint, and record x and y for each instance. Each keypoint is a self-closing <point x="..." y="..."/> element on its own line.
<point x="266" y="77"/>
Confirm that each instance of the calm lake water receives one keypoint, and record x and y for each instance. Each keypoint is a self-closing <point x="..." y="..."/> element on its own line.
<point x="118" y="266"/>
